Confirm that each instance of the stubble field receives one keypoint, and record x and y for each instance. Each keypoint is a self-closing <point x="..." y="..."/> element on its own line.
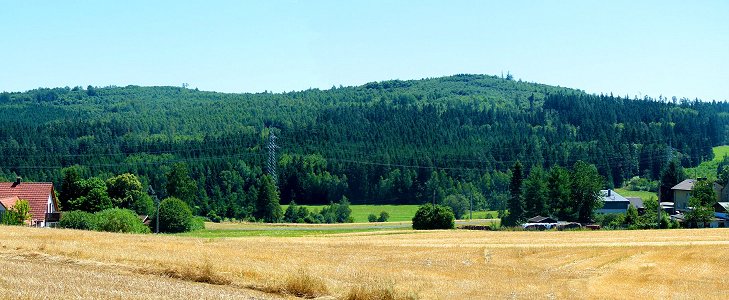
<point x="389" y="264"/>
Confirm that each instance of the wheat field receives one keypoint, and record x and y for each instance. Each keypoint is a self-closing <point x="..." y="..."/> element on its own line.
<point x="455" y="264"/>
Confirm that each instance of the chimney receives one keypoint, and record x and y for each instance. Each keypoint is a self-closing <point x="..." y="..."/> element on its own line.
<point x="610" y="192"/>
<point x="18" y="180"/>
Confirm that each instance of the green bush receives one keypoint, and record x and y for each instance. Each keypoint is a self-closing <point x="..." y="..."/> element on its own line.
<point x="337" y="212"/>
<point x="434" y="217"/>
<point x="174" y="216"/>
<point x="384" y="216"/>
<point x="197" y="223"/>
<point x="17" y="214"/>
<point x="120" y="220"/>
<point x="213" y="216"/>
<point x="78" y="220"/>
<point x="372" y="218"/>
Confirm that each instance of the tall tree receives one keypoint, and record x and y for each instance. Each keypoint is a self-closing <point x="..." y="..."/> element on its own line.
<point x="671" y="175"/>
<point x="70" y="188"/>
<point x="702" y="200"/>
<point x="515" y="203"/>
<point x="126" y="191"/>
<point x="535" y="193"/>
<point x="560" y="194"/>
<point x="586" y="185"/>
<point x="180" y="185"/>
<point x="268" y="208"/>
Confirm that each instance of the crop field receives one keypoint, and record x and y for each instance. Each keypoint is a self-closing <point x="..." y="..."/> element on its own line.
<point x="379" y="264"/>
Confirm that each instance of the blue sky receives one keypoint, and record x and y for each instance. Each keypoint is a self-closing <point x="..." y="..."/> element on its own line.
<point x="669" y="48"/>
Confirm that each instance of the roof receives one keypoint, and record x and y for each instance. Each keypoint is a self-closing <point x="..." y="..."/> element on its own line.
<point x="540" y="219"/>
<point x="8" y="201"/>
<point x="686" y="185"/>
<point x="613" y="196"/>
<point x="36" y="193"/>
<point x="724" y="205"/>
<point x="636" y="201"/>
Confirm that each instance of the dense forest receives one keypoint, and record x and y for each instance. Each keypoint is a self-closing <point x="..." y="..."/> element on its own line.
<point x="382" y="142"/>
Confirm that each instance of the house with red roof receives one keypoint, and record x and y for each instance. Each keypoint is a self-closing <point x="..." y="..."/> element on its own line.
<point x="40" y="196"/>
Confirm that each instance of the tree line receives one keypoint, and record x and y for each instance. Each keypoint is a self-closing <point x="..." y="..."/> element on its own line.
<point x="394" y="142"/>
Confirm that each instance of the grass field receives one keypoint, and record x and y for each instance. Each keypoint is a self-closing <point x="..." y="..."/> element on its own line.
<point x="642" y="194"/>
<point x="708" y="168"/>
<point x="398" y="213"/>
<point x="454" y="264"/>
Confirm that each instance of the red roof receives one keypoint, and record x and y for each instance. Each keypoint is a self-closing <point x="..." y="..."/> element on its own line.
<point x="8" y="201"/>
<point x="36" y="193"/>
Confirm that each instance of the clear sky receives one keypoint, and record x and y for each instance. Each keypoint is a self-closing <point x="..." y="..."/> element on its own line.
<point x="636" y="48"/>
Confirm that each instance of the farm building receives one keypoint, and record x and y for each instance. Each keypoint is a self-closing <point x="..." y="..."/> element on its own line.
<point x="614" y="203"/>
<point x="540" y="219"/>
<point x="682" y="193"/>
<point x="40" y="196"/>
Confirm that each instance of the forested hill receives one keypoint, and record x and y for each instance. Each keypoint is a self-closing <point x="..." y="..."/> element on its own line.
<point x="387" y="142"/>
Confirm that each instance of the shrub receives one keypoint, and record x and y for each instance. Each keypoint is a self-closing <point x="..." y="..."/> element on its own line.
<point x="372" y="218"/>
<point x="213" y="216"/>
<point x="174" y="216"/>
<point x="17" y="214"/>
<point x="337" y="212"/>
<point x="120" y="220"/>
<point x="197" y="223"/>
<point x="78" y="220"/>
<point x="384" y="216"/>
<point x="433" y="217"/>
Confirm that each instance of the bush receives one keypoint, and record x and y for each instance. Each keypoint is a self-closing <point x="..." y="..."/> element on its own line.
<point x="78" y="220"/>
<point x="120" y="220"/>
<point x="213" y="216"/>
<point x="433" y="217"/>
<point x="372" y="218"/>
<point x="384" y="216"/>
<point x="174" y="216"/>
<point x="17" y="214"/>
<point x="337" y="212"/>
<point x="197" y="223"/>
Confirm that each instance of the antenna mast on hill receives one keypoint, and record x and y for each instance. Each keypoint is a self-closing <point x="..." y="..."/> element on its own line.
<point x="271" y="165"/>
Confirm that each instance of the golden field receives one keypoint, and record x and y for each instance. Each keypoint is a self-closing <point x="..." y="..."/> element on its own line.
<point x="400" y="264"/>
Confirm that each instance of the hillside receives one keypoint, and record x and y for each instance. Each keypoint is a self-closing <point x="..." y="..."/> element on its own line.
<point x="382" y="142"/>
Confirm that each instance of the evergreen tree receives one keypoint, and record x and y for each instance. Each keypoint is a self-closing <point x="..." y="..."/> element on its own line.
<point x="535" y="193"/>
<point x="631" y="215"/>
<point x="515" y="216"/>
<point x="268" y="208"/>
<point x="70" y="188"/>
<point x="671" y="175"/>
<point x="180" y="185"/>
<point x="291" y="213"/>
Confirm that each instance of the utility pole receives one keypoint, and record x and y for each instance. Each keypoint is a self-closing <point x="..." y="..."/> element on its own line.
<point x="271" y="165"/>
<point x="470" y="193"/>
<point x="151" y="192"/>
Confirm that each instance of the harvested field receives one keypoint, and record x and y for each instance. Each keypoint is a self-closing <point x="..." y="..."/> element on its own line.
<point x="394" y="264"/>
